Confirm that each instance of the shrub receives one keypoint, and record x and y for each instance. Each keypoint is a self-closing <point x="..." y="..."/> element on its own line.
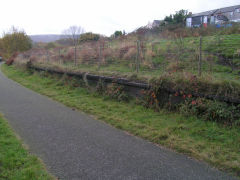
<point x="89" y="37"/>
<point x="101" y="88"/>
<point x="211" y="110"/>
<point x="10" y="61"/>
<point x="33" y="58"/>
<point x="89" y="55"/>
<point x="159" y="96"/>
<point x="129" y="53"/>
<point x="108" y="55"/>
<point x="70" y="55"/>
<point x="117" y="92"/>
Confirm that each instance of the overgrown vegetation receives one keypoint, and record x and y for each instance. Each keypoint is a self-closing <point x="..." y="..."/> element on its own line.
<point x="15" y="162"/>
<point x="154" y="57"/>
<point x="212" y="142"/>
<point x="212" y="110"/>
<point x="191" y="95"/>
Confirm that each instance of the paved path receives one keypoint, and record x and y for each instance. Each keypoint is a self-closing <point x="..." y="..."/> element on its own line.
<point x="75" y="146"/>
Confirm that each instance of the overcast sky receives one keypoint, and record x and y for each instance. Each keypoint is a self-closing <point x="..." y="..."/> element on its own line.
<point x="99" y="16"/>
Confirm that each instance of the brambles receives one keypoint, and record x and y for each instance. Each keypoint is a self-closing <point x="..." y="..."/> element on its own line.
<point x="211" y="110"/>
<point x="117" y="92"/>
<point x="183" y="96"/>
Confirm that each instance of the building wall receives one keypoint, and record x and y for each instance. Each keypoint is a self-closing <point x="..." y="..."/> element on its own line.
<point x="189" y="22"/>
<point x="235" y="16"/>
<point x="232" y="16"/>
<point x="197" y="21"/>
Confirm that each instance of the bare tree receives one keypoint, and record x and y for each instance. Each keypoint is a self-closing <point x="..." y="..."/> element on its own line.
<point x="73" y="33"/>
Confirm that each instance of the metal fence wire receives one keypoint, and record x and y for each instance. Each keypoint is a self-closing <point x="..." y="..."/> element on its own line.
<point x="196" y="54"/>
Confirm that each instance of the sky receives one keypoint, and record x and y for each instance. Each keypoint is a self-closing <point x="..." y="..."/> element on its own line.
<point x="98" y="16"/>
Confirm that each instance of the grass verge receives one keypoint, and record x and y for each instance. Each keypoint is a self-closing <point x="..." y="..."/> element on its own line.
<point x="214" y="143"/>
<point x="15" y="162"/>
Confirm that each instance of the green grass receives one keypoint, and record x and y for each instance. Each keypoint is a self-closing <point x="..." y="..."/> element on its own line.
<point x="214" y="143"/>
<point x="15" y="162"/>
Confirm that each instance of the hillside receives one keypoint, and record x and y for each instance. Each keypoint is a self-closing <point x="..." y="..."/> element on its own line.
<point x="46" y="37"/>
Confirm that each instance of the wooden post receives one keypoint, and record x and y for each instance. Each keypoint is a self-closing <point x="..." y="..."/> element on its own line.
<point x="211" y="63"/>
<point x="200" y="57"/>
<point x="138" y="56"/>
<point x="59" y="55"/>
<point x="135" y="64"/>
<point x="231" y="62"/>
<point x="47" y="56"/>
<point x="75" y="55"/>
<point x="100" y="55"/>
<point x="143" y="50"/>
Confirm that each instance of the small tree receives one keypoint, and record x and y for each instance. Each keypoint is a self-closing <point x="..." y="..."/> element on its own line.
<point x="14" y="41"/>
<point x="178" y="18"/>
<point x="117" y="34"/>
<point x="74" y="33"/>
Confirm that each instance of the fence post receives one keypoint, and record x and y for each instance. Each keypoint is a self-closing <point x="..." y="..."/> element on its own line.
<point x="100" y="55"/>
<point x="143" y="50"/>
<point x="231" y="62"/>
<point x="75" y="55"/>
<point x="138" y="56"/>
<point x="59" y="54"/>
<point x="47" y="56"/>
<point x="200" y="57"/>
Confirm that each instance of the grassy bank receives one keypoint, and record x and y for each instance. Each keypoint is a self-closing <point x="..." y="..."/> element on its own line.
<point x="15" y="162"/>
<point x="214" y="143"/>
<point x="157" y="56"/>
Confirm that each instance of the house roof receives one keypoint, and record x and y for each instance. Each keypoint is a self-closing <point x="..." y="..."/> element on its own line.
<point x="157" y="21"/>
<point x="228" y="9"/>
<point x="206" y="13"/>
<point x="216" y="11"/>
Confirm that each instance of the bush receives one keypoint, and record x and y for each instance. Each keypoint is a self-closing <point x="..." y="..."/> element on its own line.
<point x="130" y="53"/>
<point x="101" y="88"/>
<point x="211" y="110"/>
<point x="117" y="92"/>
<point x="89" y="37"/>
<point x="89" y="55"/>
<point x="159" y="97"/>
<point x="11" y="60"/>
<point x="126" y="52"/>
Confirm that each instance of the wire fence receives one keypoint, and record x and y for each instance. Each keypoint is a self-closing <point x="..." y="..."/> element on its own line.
<point x="214" y="54"/>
